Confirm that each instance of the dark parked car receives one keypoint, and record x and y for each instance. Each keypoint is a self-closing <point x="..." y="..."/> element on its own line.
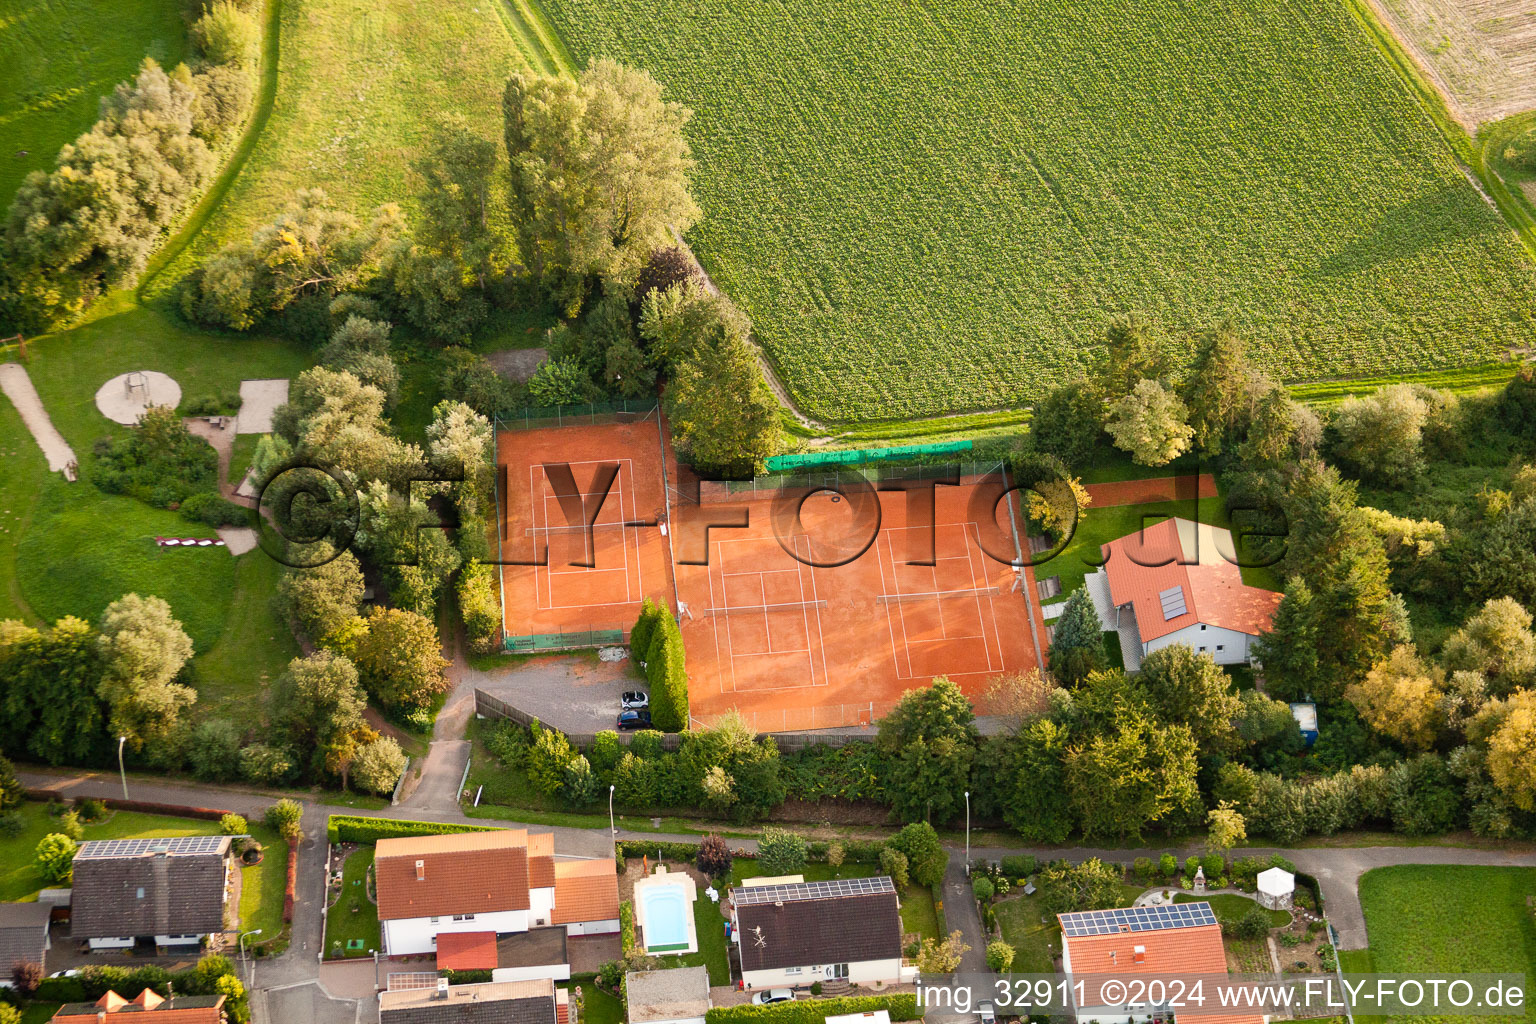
<point x="634" y="719"/>
<point x="634" y="699"/>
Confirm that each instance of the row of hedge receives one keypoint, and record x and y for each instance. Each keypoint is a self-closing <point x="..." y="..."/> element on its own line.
<point x="855" y="851"/>
<point x="95" y="980"/>
<point x="351" y="828"/>
<point x="142" y="806"/>
<point x="901" y="1007"/>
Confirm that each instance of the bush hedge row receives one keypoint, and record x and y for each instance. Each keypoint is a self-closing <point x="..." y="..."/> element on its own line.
<point x="855" y="851"/>
<point x="901" y="1007"/>
<point x="349" y="828"/>
<point x="142" y="806"/>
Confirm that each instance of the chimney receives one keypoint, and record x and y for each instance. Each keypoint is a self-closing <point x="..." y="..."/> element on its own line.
<point x="101" y="1017"/>
<point x="442" y="983"/>
<point x="1139" y="954"/>
<point x="421" y="871"/>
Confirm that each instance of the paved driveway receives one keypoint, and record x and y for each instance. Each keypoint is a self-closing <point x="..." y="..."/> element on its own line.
<point x="573" y="693"/>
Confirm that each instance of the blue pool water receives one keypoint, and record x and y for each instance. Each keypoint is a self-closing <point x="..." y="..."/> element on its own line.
<point x="666" y="911"/>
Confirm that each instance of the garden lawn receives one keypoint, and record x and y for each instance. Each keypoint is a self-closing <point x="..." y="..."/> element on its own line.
<point x="39" y="1013"/>
<point x="1033" y="934"/>
<point x="1230" y="907"/>
<point x="710" y="927"/>
<point x="19" y="877"/>
<point x="598" y="1007"/>
<point x="1098" y="526"/>
<point x="341" y="923"/>
<point x="928" y="208"/>
<point x="262" y="887"/>
<point x="58" y="58"/>
<point x="1448" y="919"/>
<point x="361" y="86"/>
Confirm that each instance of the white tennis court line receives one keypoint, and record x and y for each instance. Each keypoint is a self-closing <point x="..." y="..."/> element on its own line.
<point x="615" y="499"/>
<point x="723" y="617"/>
<point x="970" y="553"/>
<point x="908" y="643"/>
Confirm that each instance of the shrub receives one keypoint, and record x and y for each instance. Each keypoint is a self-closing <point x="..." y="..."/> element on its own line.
<point x="1252" y="925"/>
<point x="91" y="809"/>
<point x="379" y="766"/>
<point x="214" y="750"/>
<point x="213" y="510"/>
<point x="56" y="858"/>
<point x="900" y="1007"/>
<point x="714" y="857"/>
<point x="982" y="889"/>
<point x="1168" y="866"/>
<point x="266" y="765"/>
<point x="894" y="863"/>
<point x="226" y="35"/>
<point x="999" y="956"/>
<point x="69" y="825"/>
<point x="561" y="382"/>
<point x="12" y="825"/>
<point x="667" y="671"/>
<point x="780" y="852"/>
<point x="159" y="462"/>
<point x="605" y="750"/>
<point x="926" y="859"/>
<point x="835" y="855"/>
<point x="1019" y="865"/>
<point x="481" y="608"/>
<point x="1144" y="870"/>
<point x="284" y="817"/>
<point x="26" y="975"/>
<point x="1215" y="865"/>
<point x="12" y="792"/>
<point x="233" y="825"/>
<point x="1191" y="865"/>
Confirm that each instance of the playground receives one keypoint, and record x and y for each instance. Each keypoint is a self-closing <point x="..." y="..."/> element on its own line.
<point x="565" y="584"/>
<point x="825" y="607"/>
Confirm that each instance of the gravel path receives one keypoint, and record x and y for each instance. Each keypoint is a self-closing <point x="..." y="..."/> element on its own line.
<point x="18" y="388"/>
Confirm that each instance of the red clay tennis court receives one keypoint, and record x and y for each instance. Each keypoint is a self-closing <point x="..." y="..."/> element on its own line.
<point x="550" y="481"/>
<point x="800" y="646"/>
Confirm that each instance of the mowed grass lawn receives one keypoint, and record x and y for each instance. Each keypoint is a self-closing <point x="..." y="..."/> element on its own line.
<point x="361" y="86"/>
<point x="941" y="207"/>
<point x="353" y="916"/>
<point x="1448" y="919"/>
<point x="69" y="549"/>
<point x="58" y="58"/>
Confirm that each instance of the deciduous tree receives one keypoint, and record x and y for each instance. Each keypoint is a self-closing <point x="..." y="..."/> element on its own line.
<point x="400" y="660"/>
<point x="1400" y="697"/>
<point x="1150" y="424"/>
<point x="142" y="649"/>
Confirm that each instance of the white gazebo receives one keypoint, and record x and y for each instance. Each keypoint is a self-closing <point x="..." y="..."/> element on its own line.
<point x="1276" y="887"/>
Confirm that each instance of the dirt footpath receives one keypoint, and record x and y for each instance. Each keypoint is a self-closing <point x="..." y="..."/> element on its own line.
<point x="18" y="388"/>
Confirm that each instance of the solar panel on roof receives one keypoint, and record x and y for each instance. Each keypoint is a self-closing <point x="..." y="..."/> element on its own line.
<point x="756" y="895"/>
<point x="1173" y="603"/>
<point x="101" y="849"/>
<point x="1137" y="919"/>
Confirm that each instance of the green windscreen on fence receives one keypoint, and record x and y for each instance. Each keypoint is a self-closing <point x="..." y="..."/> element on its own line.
<point x="563" y="641"/>
<point x="856" y="456"/>
<point x="620" y="410"/>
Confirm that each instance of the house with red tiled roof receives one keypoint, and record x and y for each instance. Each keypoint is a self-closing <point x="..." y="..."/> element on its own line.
<point x="172" y="1010"/>
<point x="1178" y="582"/>
<point x="1177" y="940"/>
<point x="478" y="886"/>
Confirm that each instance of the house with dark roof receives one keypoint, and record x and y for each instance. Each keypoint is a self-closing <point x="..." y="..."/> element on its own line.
<point x="173" y="1010"/>
<point x="174" y="891"/>
<point x="1170" y="939"/>
<point x="800" y="933"/>
<point x="496" y="1002"/>
<point x="23" y="936"/>
<point x="1178" y="582"/>
<point x="486" y="884"/>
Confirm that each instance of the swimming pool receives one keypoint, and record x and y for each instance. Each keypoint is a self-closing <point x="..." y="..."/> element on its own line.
<point x="664" y="912"/>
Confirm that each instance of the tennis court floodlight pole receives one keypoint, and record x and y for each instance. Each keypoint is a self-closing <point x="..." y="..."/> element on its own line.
<point x="121" y="771"/>
<point x="967" y="833"/>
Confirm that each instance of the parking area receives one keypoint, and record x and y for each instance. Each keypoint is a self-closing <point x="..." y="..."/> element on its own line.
<point x="575" y="693"/>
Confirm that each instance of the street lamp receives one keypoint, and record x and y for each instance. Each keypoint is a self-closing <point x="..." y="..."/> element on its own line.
<point x="121" y="771"/>
<point x="612" y="827"/>
<point x="250" y="965"/>
<point x="967" y="833"/>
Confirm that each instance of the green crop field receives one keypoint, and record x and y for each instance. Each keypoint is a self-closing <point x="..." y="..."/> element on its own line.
<point x="934" y="207"/>
<point x="58" y="58"/>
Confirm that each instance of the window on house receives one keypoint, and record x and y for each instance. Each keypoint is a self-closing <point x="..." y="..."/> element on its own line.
<point x="463" y="917"/>
<point x="1221" y="647"/>
<point x="1202" y="627"/>
<point x="792" y="970"/>
<point x="434" y="920"/>
<point x="1202" y="650"/>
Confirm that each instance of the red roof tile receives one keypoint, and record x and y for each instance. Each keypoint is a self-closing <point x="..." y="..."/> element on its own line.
<point x="586" y="890"/>
<point x="463" y="873"/>
<point x="466" y="951"/>
<point x="541" y="860"/>
<point x="1199" y="560"/>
